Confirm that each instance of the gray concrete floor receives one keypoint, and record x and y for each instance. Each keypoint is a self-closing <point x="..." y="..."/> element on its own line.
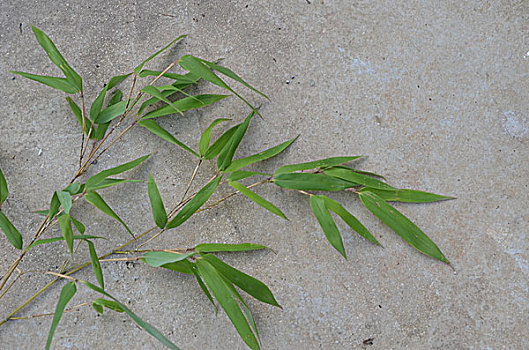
<point x="434" y="92"/>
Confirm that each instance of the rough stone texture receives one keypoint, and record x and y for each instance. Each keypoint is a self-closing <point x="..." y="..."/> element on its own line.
<point x="435" y="92"/>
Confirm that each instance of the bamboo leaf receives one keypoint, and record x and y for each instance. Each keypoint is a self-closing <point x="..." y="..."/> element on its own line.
<point x="118" y="95"/>
<point x="109" y="182"/>
<point x="224" y="296"/>
<point x="97" y="201"/>
<point x="225" y="247"/>
<point x="243" y="174"/>
<point x="269" y="153"/>
<point x="257" y="199"/>
<point x="12" y="234"/>
<point x="349" y="219"/>
<point x="140" y="66"/>
<point x="206" y="135"/>
<point x="401" y="225"/>
<point x="204" y="289"/>
<point x="98" y="178"/>
<point x="3" y="188"/>
<point x="109" y="304"/>
<point x="99" y="309"/>
<point x="158" y="210"/>
<point x="96" y="265"/>
<point x="354" y="177"/>
<point x="67" y="293"/>
<point x="78" y="115"/>
<point x="403" y="195"/>
<point x="66" y="200"/>
<point x="65" y="222"/>
<point x="220" y="143"/>
<point x="186" y="104"/>
<point x="154" y="92"/>
<point x="79" y="226"/>
<point x="183" y="266"/>
<point x="73" y="188"/>
<point x="156" y="129"/>
<point x="167" y="91"/>
<point x="146" y="326"/>
<point x="249" y="284"/>
<point x="54" y="82"/>
<point x="178" y="78"/>
<point x="326" y="221"/>
<point x="311" y="182"/>
<point x="57" y="239"/>
<point x="54" y="206"/>
<point x="195" y="203"/>
<point x="157" y="259"/>
<point x="110" y="113"/>
<point x="226" y="155"/>
<point x="322" y="163"/>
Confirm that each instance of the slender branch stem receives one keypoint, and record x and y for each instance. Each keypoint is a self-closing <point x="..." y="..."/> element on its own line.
<point x="191" y="180"/>
<point x="83" y="117"/>
<point x="71" y="309"/>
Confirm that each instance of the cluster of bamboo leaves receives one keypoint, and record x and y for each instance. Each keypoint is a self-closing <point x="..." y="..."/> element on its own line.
<point x="218" y="280"/>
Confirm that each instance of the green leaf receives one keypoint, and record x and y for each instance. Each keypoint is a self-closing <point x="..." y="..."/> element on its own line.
<point x="98" y="178"/>
<point x="354" y="177"/>
<point x="154" y="92"/>
<point x="167" y="91"/>
<point x="195" y="203"/>
<point x="225" y="247"/>
<point x="158" y="210"/>
<point x="311" y="182"/>
<point x="257" y="199"/>
<point x="269" y="153"/>
<point x="3" y="188"/>
<point x="78" y="115"/>
<point x="54" y="206"/>
<point x="183" y="266"/>
<point x="322" y="163"/>
<point x="116" y="80"/>
<point x="204" y="289"/>
<point x="57" y="239"/>
<point x="110" y="113"/>
<point x="66" y="200"/>
<point x="79" y="226"/>
<point x="178" y="78"/>
<point x="224" y="296"/>
<point x="54" y="82"/>
<point x="243" y="174"/>
<point x="349" y="219"/>
<point x="109" y="182"/>
<point x="99" y="309"/>
<point x="96" y="265"/>
<point x="67" y="293"/>
<point x="401" y="225"/>
<point x="140" y="66"/>
<point x="55" y="56"/>
<point x="186" y="104"/>
<point x="403" y="195"/>
<point x="97" y="201"/>
<point x="326" y="221"/>
<point x="12" y="234"/>
<point x="206" y="135"/>
<point x="157" y="259"/>
<point x="146" y="326"/>
<point x="230" y="74"/>
<point x="109" y="304"/>
<point x="226" y="155"/>
<point x="73" y="188"/>
<point x="156" y="129"/>
<point x="118" y="95"/>
<point x="65" y="222"/>
<point x="221" y="142"/>
<point x="249" y="284"/>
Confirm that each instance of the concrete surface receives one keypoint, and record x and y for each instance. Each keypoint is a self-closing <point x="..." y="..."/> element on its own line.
<point x="435" y="92"/>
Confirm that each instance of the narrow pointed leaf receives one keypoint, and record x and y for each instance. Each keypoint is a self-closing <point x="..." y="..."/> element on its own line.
<point x="146" y="326"/>
<point x="66" y="200"/>
<point x="65" y="222"/>
<point x="183" y="266"/>
<point x="57" y="239"/>
<point x="326" y="221"/>
<point x="269" y="153"/>
<point x="178" y="78"/>
<point x="116" y="80"/>
<point x="73" y="188"/>
<point x="98" y="178"/>
<point x="110" y="113"/>
<point x="226" y="155"/>
<point x="186" y="104"/>
<point x="56" y="57"/>
<point x="403" y="195"/>
<point x="78" y="115"/>
<point x="226" y="247"/>
<point x="54" y="206"/>
<point x="156" y="129"/>
<point x="54" y="82"/>
<point x="158" y="210"/>
<point x="220" y="143"/>
<point x="140" y="66"/>
<point x="205" y="289"/>
<point x="109" y="182"/>
<point x="96" y="265"/>
<point x="99" y="309"/>
<point x="79" y="226"/>
<point x="118" y="95"/>
<point x="311" y="182"/>
<point x="257" y="199"/>
<point x="195" y="203"/>
<point x="166" y="91"/>
<point x="154" y="92"/>
<point x="109" y="304"/>
<point x="97" y="201"/>
<point x="12" y="234"/>
<point x="157" y="259"/>
<point x="354" y="177"/>
<point x="401" y="225"/>
<point x="3" y="188"/>
<point x="249" y="284"/>
<point x="349" y="219"/>
<point x="322" y="163"/>
<point x="206" y="135"/>
<point x="243" y="174"/>
<point x="67" y="293"/>
<point x="224" y="296"/>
